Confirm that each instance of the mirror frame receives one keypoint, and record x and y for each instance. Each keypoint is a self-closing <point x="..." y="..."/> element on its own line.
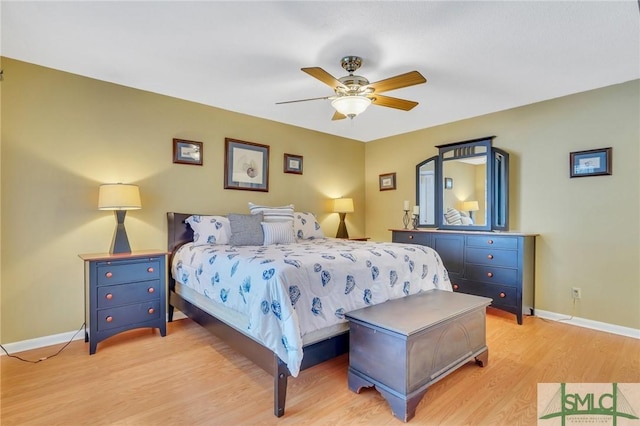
<point x="496" y="184"/>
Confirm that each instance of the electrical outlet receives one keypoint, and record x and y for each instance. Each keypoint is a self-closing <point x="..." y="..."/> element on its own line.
<point x="576" y="292"/>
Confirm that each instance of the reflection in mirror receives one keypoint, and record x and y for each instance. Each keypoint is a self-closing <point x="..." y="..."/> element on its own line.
<point x="500" y="190"/>
<point x="426" y="191"/>
<point x="465" y="203"/>
<point x="466" y="185"/>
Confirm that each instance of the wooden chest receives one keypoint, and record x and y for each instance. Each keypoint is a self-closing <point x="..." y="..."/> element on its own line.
<point x="404" y="345"/>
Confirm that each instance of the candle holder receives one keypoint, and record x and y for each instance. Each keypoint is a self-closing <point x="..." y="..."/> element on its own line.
<point x="415" y="221"/>
<point x="405" y="219"/>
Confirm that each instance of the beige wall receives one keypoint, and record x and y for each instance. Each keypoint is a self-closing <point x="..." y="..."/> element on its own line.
<point x="63" y="135"/>
<point x="589" y="227"/>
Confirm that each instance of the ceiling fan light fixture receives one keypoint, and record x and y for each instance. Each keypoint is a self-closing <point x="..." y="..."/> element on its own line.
<point x="351" y="106"/>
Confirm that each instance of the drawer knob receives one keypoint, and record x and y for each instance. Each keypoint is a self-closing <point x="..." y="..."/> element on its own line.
<point x="489" y="256"/>
<point x="109" y="318"/>
<point x="456" y="286"/>
<point x="502" y="295"/>
<point x="109" y="274"/>
<point x="411" y="237"/>
<point x="108" y="296"/>
<point x="151" y="289"/>
<point x="490" y="274"/>
<point x="489" y="241"/>
<point x="151" y="310"/>
<point x="150" y="269"/>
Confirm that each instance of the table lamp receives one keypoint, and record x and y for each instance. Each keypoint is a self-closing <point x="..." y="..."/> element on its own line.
<point x="119" y="198"/>
<point x="342" y="206"/>
<point x="470" y="206"/>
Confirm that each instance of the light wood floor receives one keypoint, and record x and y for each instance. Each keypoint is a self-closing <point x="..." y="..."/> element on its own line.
<point x="191" y="378"/>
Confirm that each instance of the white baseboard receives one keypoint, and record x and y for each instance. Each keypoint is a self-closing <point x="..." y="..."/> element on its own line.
<point x="587" y="323"/>
<point x="56" y="339"/>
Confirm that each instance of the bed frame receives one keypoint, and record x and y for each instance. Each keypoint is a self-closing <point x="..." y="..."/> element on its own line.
<point x="180" y="233"/>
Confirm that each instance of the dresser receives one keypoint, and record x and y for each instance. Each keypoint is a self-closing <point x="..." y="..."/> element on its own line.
<point x="123" y="292"/>
<point x="500" y="266"/>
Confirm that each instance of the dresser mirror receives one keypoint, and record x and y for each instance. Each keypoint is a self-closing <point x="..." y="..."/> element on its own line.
<point x="465" y="187"/>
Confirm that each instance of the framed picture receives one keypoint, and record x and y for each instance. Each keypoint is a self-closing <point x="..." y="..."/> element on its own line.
<point x="187" y="152"/>
<point x="594" y="162"/>
<point x="387" y="181"/>
<point x="448" y="183"/>
<point x="293" y="164"/>
<point x="246" y="165"/>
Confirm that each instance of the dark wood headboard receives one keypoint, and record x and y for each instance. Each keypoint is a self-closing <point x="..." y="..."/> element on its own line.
<point x="179" y="232"/>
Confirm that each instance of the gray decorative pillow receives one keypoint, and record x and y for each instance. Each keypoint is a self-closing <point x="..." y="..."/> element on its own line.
<point x="452" y="216"/>
<point x="246" y="229"/>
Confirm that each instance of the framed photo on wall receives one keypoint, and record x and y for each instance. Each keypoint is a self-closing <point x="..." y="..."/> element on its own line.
<point x="594" y="162"/>
<point x="246" y="165"/>
<point x="293" y="164"/>
<point x="448" y="183"/>
<point x="187" y="152"/>
<point x="387" y="181"/>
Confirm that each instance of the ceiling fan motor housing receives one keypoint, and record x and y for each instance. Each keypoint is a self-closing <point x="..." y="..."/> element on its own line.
<point x="353" y="85"/>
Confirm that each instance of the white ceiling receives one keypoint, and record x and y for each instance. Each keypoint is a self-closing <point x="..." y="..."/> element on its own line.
<point x="478" y="56"/>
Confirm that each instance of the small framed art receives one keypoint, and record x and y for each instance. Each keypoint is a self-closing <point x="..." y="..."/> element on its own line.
<point x="187" y="152"/>
<point x="594" y="162"/>
<point x="293" y="164"/>
<point x="246" y="165"/>
<point x="448" y="183"/>
<point x="387" y="181"/>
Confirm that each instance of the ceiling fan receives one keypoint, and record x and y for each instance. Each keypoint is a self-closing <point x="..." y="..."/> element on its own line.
<point x="354" y="93"/>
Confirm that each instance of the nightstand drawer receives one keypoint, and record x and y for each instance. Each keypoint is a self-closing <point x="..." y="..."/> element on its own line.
<point x="128" y="315"/>
<point x="492" y="241"/>
<point x="125" y="272"/>
<point x="489" y="274"/>
<point x="491" y="257"/>
<point x="123" y="294"/>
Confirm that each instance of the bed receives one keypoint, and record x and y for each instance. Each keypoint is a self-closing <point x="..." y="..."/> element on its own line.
<point x="282" y="305"/>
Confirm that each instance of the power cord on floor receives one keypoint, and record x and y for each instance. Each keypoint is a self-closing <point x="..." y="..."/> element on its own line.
<point x="573" y="311"/>
<point x="46" y="357"/>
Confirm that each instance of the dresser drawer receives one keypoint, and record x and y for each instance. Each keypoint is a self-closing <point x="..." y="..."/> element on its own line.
<point x="411" y="238"/>
<point x="492" y="257"/>
<point x="123" y="272"/>
<point x="489" y="241"/>
<point x="124" y="294"/>
<point x="501" y="295"/>
<point x="128" y="315"/>
<point x="488" y="274"/>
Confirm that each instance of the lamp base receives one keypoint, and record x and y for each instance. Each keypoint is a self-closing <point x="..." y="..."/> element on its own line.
<point x="120" y="242"/>
<point x="342" y="227"/>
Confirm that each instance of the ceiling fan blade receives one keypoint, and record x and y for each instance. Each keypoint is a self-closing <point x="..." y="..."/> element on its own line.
<point x="388" y="101"/>
<point x="303" y="100"/>
<point x="338" y="116"/>
<point x="323" y="76"/>
<point x="399" y="81"/>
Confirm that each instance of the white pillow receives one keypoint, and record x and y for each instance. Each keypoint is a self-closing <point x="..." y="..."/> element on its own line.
<point x="209" y="229"/>
<point x="278" y="233"/>
<point x="306" y="226"/>
<point x="465" y="220"/>
<point x="273" y="214"/>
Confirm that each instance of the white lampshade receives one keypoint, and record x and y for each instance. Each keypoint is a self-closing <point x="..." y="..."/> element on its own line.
<point x="119" y="196"/>
<point x="351" y="105"/>
<point x="470" y="206"/>
<point x="343" y="205"/>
